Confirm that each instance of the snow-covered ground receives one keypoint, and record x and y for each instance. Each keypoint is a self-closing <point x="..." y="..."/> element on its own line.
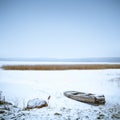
<point x="21" y="86"/>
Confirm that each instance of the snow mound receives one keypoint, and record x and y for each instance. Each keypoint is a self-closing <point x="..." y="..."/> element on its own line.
<point x="36" y="103"/>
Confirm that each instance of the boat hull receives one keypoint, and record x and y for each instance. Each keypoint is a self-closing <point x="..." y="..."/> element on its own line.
<point x="86" y="97"/>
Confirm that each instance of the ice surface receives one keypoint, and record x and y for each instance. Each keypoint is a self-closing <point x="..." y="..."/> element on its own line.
<point x="32" y="84"/>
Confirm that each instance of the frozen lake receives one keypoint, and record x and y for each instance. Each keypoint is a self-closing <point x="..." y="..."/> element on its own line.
<point x="42" y="63"/>
<point x="24" y="85"/>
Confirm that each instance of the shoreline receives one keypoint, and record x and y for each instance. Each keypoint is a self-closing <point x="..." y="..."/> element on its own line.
<point x="61" y="67"/>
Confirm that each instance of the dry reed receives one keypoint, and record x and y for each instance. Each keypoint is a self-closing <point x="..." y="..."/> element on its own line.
<point x="62" y="67"/>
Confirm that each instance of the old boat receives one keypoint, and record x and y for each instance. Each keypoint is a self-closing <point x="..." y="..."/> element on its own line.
<point x="86" y="97"/>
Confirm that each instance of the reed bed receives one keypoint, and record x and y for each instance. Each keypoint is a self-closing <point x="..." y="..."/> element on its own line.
<point x="62" y="67"/>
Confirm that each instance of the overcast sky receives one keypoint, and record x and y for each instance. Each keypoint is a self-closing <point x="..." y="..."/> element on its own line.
<point x="59" y="28"/>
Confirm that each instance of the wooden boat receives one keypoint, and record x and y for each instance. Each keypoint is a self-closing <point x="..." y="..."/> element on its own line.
<point x="86" y="97"/>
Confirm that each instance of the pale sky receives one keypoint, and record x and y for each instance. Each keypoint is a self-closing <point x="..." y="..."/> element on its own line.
<point x="59" y="28"/>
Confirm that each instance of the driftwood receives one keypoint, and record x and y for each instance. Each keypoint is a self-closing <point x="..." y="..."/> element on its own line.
<point x="5" y="103"/>
<point x="86" y="97"/>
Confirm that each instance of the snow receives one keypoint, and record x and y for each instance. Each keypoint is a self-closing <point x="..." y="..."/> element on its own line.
<point x="21" y="86"/>
<point x="36" y="103"/>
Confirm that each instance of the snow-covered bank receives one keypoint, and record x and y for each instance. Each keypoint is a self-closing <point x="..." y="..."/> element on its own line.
<point x="20" y="86"/>
<point x="48" y="113"/>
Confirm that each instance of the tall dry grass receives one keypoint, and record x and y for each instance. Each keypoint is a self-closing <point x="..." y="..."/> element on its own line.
<point x="62" y="67"/>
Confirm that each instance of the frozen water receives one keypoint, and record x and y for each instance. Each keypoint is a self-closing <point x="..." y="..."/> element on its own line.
<point x="24" y="85"/>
